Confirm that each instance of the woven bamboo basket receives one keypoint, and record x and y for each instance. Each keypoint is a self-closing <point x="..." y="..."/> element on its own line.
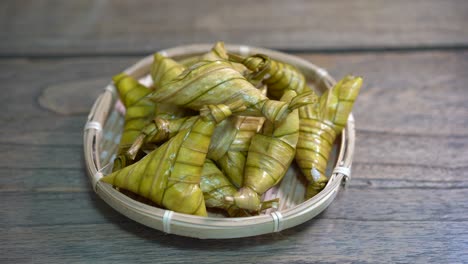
<point x="102" y="135"/>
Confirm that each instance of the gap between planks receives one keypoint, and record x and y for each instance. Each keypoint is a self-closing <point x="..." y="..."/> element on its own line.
<point x="347" y="50"/>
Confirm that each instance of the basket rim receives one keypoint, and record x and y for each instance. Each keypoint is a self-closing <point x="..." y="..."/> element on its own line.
<point x="211" y="227"/>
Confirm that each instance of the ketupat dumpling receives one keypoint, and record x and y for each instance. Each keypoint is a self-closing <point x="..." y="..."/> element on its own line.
<point x="215" y="187"/>
<point x="164" y="69"/>
<point x="229" y="145"/>
<point x="320" y="125"/>
<point x="269" y="157"/>
<point x="139" y="111"/>
<point x="215" y="82"/>
<point x="276" y="75"/>
<point x="170" y="175"/>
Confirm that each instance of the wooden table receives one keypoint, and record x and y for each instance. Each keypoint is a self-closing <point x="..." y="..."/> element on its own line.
<point x="407" y="201"/>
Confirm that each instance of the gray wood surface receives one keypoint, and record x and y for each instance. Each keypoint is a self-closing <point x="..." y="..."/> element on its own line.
<point x="407" y="200"/>
<point x="115" y="27"/>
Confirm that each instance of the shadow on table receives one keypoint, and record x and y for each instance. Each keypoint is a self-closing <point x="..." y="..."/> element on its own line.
<point x="158" y="237"/>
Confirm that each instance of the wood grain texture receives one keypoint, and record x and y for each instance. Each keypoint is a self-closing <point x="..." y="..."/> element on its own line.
<point x="45" y="206"/>
<point x="373" y="149"/>
<point x="383" y="147"/>
<point x="112" y="27"/>
<point x="322" y="240"/>
<point x="57" y="97"/>
<point x="406" y="201"/>
<point x="419" y="93"/>
<point x="424" y="95"/>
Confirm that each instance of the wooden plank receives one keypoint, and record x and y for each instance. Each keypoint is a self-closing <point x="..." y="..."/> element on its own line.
<point x="324" y="240"/>
<point x="365" y="176"/>
<point x="41" y="157"/>
<point x="406" y="201"/>
<point x="412" y="204"/>
<point x="44" y="180"/>
<point x="56" y="137"/>
<point x="445" y="152"/>
<point x="421" y="93"/>
<point x="391" y="175"/>
<point x="64" y="205"/>
<point x="48" y="207"/>
<point x="394" y="147"/>
<point x="404" y="93"/>
<point x="81" y="79"/>
<point x="112" y="27"/>
<point x="449" y="153"/>
<point x="57" y="97"/>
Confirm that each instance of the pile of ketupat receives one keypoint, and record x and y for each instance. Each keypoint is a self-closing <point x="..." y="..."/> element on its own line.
<point x="219" y="130"/>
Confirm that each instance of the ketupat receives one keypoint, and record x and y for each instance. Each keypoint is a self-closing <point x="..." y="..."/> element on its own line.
<point x="229" y="145"/>
<point x="170" y="175"/>
<point x="164" y="69"/>
<point x="214" y="82"/>
<point x="280" y="78"/>
<point x="140" y="110"/>
<point x="219" y="52"/>
<point x="319" y="127"/>
<point x="215" y="187"/>
<point x="270" y="155"/>
<point x="189" y="61"/>
<point x="236" y="131"/>
<point x="158" y="131"/>
<point x="276" y="75"/>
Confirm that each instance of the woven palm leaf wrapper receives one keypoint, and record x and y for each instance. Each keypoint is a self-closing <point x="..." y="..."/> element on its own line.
<point x="104" y="128"/>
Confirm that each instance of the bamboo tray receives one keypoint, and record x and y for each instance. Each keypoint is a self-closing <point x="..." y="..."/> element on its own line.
<point x="102" y="134"/>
